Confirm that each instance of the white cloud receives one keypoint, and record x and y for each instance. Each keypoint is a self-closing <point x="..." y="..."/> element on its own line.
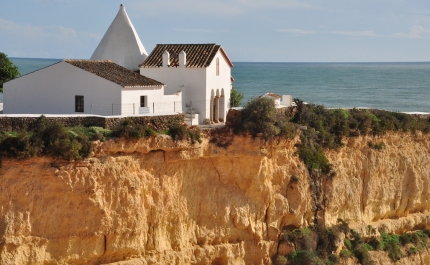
<point x="34" y="39"/>
<point x="296" y="32"/>
<point x="366" y="33"/>
<point x="415" y="32"/>
<point x="28" y="30"/>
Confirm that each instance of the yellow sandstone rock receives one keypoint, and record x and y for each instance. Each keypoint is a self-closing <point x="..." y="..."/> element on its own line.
<point x="155" y="201"/>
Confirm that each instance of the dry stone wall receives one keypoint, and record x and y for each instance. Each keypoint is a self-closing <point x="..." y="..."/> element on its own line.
<point x="158" y="123"/>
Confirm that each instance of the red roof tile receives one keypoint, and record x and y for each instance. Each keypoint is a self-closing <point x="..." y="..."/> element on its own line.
<point x="115" y="73"/>
<point x="198" y="55"/>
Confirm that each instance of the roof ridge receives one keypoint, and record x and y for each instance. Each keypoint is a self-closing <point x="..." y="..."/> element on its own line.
<point x="87" y="60"/>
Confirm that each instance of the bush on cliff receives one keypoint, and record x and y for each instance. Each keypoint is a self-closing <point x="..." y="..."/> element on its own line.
<point x="260" y="116"/>
<point x="180" y="132"/>
<point x="314" y="245"/>
<point x="333" y="125"/>
<point x="51" y="139"/>
<point x="129" y="129"/>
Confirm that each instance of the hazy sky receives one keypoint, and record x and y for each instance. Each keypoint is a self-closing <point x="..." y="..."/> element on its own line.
<point x="249" y="30"/>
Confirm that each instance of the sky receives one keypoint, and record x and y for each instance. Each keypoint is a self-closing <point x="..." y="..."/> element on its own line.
<point x="249" y="30"/>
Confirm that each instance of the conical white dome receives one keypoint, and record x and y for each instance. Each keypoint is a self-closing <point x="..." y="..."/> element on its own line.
<point x="121" y="44"/>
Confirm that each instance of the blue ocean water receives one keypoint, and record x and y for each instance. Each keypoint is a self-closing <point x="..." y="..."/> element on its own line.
<point x="28" y="65"/>
<point x="389" y="86"/>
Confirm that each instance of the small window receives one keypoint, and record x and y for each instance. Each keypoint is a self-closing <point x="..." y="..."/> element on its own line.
<point x="143" y="101"/>
<point x="217" y="66"/>
<point x="79" y="103"/>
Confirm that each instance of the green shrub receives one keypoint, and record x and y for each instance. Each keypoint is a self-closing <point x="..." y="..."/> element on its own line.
<point x="280" y="260"/>
<point x="374" y="243"/>
<point x="93" y="133"/>
<point x="347" y="243"/>
<point x="412" y="251"/>
<point x="259" y="116"/>
<point x="361" y="251"/>
<point x="391" y="244"/>
<point x="303" y="257"/>
<point x="129" y="129"/>
<point x="18" y="146"/>
<point x="345" y="253"/>
<point x="51" y="139"/>
<point x="235" y="98"/>
<point x="333" y="125"/>
<point x="314" y="158"/>
<point x="180" y="132"/>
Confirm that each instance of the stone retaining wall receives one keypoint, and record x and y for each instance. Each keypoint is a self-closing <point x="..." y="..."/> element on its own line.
<point x="158" y="123"/>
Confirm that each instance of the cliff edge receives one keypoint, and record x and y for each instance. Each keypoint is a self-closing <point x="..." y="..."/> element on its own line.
<point x="223" y="201"/>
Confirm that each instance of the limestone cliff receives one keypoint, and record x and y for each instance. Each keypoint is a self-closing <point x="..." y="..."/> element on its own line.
<point x="224" y="201"/>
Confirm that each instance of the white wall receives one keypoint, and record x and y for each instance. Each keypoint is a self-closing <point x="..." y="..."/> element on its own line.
<point x="197" y="82"/>
<point x="193" y="80"/>
<point x="220" y="82"/>
<point x="52" y="90"/>
<point x="155" y="98"/>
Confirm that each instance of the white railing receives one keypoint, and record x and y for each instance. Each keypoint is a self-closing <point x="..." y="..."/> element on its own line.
<point x="130" y="109"/>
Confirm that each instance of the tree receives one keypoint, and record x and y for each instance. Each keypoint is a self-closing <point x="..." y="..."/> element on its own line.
<point x="8" y="70"/>
<point x="259" y="116"/>
<point x="235" y="98"/>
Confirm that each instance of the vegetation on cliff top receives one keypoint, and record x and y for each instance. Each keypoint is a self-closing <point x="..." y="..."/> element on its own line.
<point x="322" y="127"/>
<point x="73" y="143"/>
<point x="51" y="139"/>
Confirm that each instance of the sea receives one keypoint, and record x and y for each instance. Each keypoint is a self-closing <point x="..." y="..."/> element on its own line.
<point x="403" y="87"/>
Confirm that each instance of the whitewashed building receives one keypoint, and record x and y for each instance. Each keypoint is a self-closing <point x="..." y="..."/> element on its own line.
<point x="287" y="100"/>
<point x="190" y="78"/>
<point x="87" y="87"/>
<point x="121" y="44"/>
<point x="201" y="71"/>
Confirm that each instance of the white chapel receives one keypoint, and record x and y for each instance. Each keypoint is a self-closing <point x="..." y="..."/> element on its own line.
<point x="122" y="79"/>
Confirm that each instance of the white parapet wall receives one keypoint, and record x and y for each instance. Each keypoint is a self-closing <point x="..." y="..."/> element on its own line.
<point x="287" y="100"/>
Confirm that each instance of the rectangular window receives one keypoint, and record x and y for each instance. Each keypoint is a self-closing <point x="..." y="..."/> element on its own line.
<point x="143" y="101"/>
<point x="79" y="103"/>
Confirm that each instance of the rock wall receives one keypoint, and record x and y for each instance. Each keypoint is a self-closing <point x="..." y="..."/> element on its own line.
<point x="159" y="123"/>
<point x="223" y="201"/>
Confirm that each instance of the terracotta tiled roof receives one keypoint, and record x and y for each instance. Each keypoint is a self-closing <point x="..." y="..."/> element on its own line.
<point x="198" y="55"/>
<point x="270" y="94"/>
<point x="115" y="73"/>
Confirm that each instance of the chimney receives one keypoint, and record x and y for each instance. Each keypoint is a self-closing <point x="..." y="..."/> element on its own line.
<point x="166" y="59"/>
<point x="182" y="59"/>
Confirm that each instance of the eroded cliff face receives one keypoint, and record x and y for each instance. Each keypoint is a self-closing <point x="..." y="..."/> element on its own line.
<point x="223" y="201"/>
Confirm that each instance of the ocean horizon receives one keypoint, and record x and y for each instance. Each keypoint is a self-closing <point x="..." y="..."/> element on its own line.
<point x="393" y="86"/>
